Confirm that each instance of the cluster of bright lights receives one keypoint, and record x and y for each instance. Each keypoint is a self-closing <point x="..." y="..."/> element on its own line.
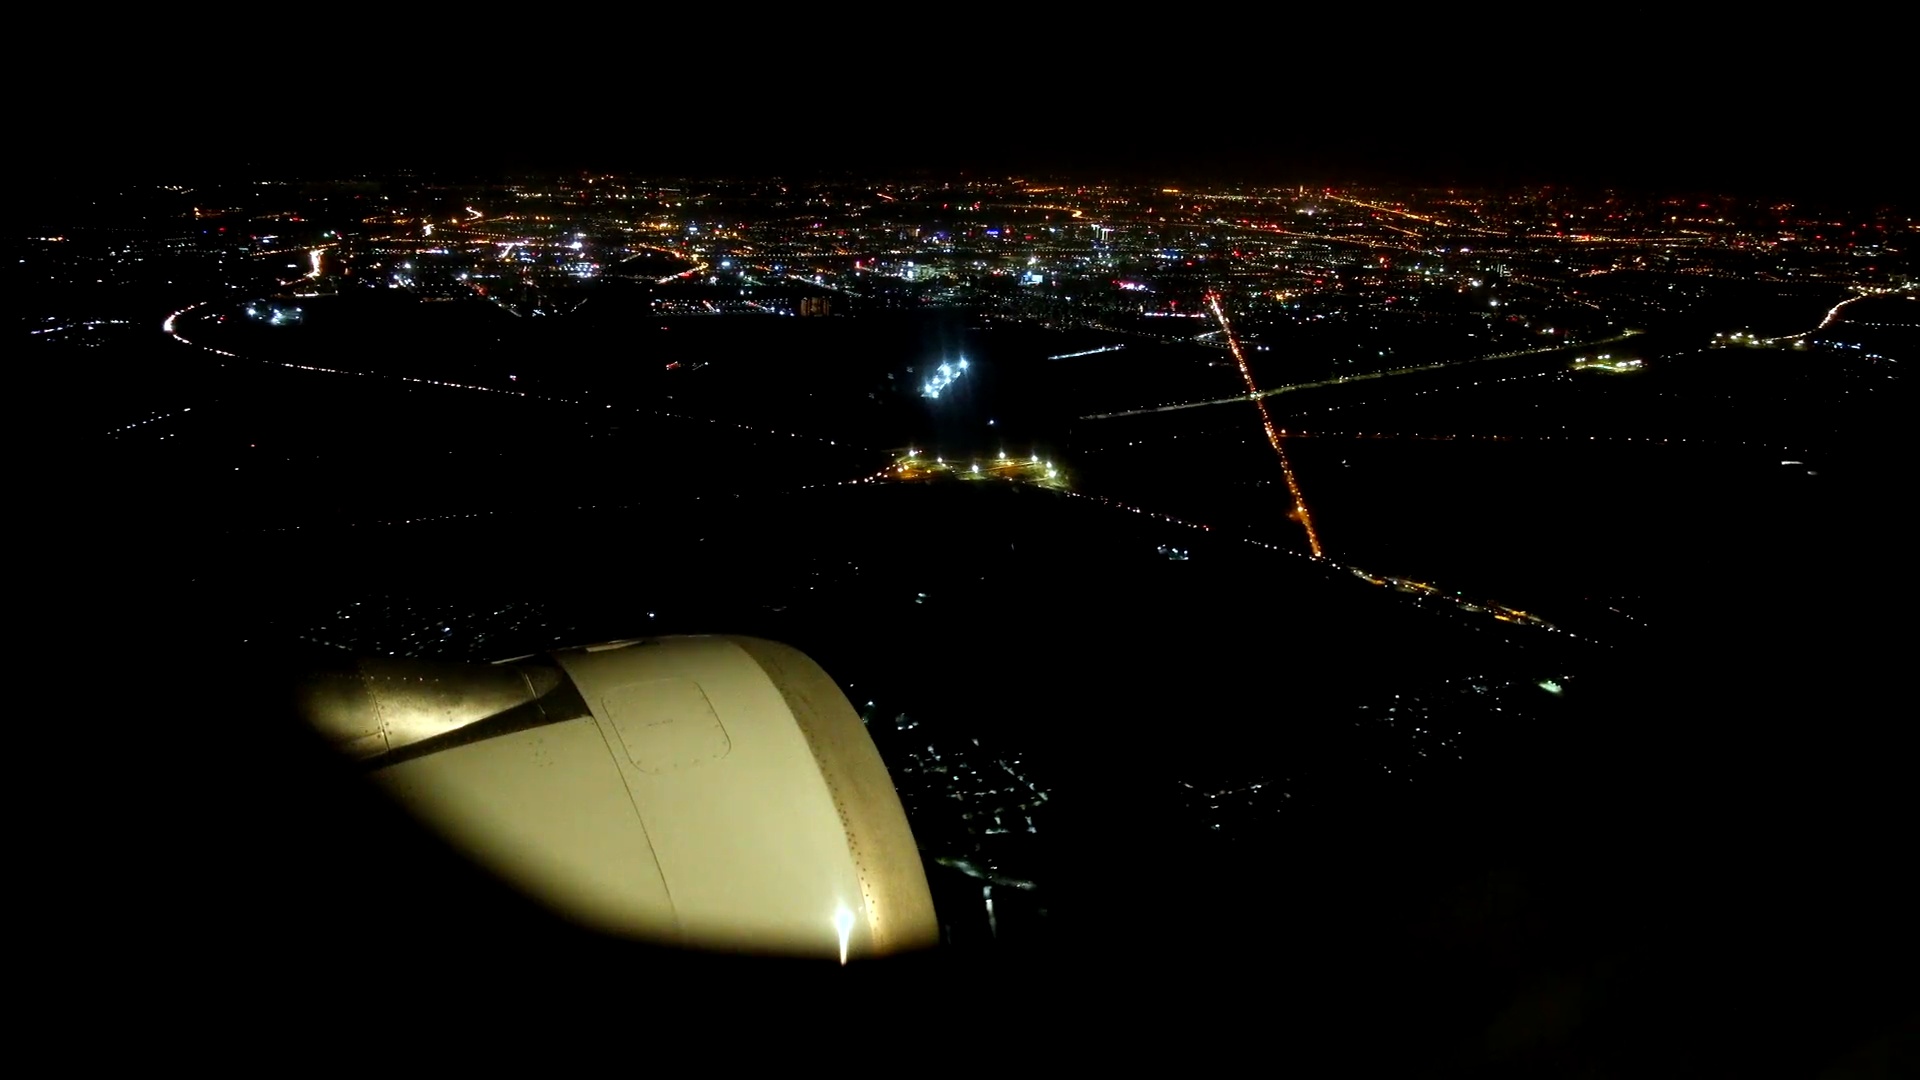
<point x="1606" y="362"/>
<point x="948" y="373"/>
<point x="1032" y="469"/>
<point x="278" y="316"/>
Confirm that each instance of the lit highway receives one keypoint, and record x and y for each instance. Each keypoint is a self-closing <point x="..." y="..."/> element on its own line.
<point x="1342" y="380"/>
<point x="1266" y="424"/>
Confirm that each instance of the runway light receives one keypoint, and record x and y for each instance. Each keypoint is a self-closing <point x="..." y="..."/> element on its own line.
<point x="843" y="923"/>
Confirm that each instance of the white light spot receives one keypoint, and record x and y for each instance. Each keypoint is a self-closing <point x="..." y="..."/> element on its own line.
<point x="843" y="923"/>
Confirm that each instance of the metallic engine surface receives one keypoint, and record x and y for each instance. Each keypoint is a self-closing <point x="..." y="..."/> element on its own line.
<point x="709" y="791"/>
<point x="381" y="704"/>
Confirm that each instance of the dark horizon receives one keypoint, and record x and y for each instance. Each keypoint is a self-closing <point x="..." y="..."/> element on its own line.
<point x="1335" y="168"/>
<point x="1801" y="128"/>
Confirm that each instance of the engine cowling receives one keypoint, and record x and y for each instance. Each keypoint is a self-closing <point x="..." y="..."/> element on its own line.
<point x="712" y="792"/>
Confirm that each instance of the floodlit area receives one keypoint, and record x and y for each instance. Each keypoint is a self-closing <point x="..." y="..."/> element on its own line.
<point x="946" y="375"/>
<point x="915" y="464"/>
<point x="1609" y="363"/>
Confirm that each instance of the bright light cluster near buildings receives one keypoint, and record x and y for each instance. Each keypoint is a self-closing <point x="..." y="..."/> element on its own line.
<point x="944" y="376"/>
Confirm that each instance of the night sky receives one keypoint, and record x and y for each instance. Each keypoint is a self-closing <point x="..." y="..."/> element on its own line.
<point x="1745" y="110"/>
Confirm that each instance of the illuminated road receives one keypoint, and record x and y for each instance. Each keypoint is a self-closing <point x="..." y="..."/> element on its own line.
<point x="698" y="267"/>
<point x="176" y="325"/>
<point x="1266" y="423"/>
<point x="1833" y="314"/>
<point x="1341" y="380"/>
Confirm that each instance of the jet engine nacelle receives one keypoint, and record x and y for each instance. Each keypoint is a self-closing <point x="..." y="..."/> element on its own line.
<point x="714" y="792"/>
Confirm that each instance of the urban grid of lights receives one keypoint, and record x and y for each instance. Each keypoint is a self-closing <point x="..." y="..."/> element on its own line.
<point x="1415" y="230"/>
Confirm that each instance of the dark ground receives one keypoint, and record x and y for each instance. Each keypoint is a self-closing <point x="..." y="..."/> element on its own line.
<point x="1696" y="871"/>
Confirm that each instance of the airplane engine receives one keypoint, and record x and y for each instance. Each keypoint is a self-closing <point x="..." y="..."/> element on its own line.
<point x="710" y="792"/>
